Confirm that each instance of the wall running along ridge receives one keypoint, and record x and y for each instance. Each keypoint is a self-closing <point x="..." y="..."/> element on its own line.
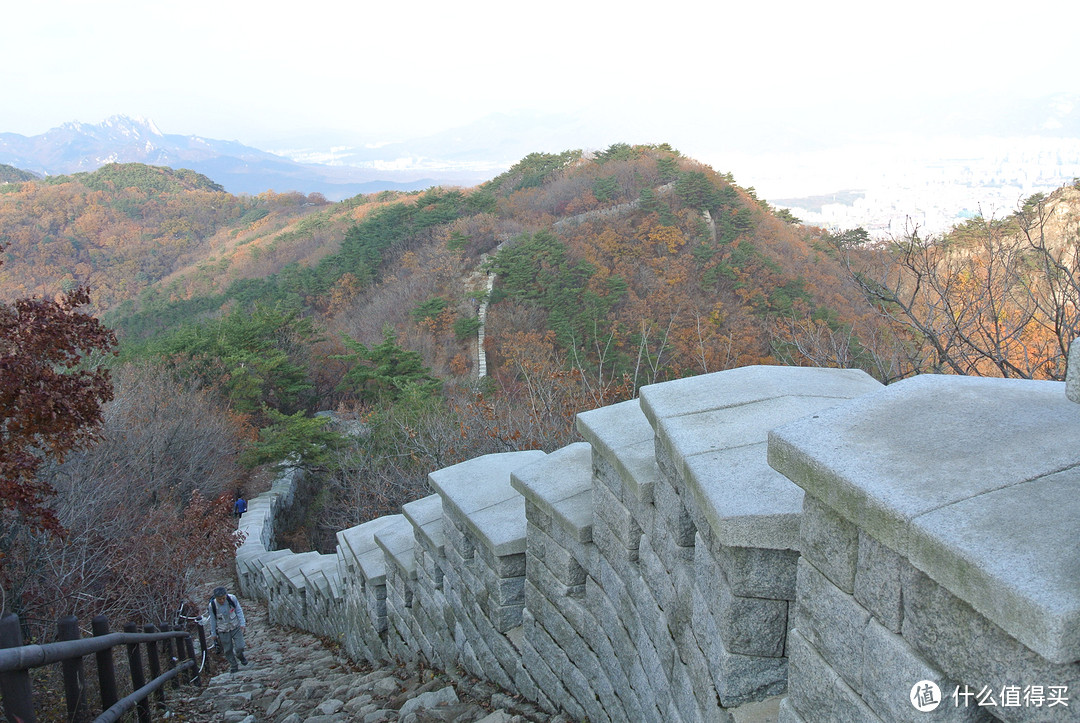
<point x="662" y="570"/>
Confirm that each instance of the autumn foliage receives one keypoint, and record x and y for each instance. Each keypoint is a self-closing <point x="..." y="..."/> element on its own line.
<point x="993" y="297"/>
<point x="50" y="398"/>
<point x="597" y="273"/>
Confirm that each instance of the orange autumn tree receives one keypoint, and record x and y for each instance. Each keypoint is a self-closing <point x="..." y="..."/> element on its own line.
<point x="991" y="298"/>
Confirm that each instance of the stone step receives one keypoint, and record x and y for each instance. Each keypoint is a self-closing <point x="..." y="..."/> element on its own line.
<point x="292" y="676"/>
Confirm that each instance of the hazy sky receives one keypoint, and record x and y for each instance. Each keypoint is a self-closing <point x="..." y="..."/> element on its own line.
<point x="676" y="71"/>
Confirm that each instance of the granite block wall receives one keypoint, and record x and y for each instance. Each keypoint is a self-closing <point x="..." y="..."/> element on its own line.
<point x="722" y="540"/>
<point x="939" y="559"/>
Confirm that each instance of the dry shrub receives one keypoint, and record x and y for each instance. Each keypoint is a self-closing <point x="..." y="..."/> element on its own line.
<point x="142" y="511"/>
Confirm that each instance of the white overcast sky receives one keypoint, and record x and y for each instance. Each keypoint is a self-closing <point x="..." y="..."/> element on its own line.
<point x="257" y="71"/>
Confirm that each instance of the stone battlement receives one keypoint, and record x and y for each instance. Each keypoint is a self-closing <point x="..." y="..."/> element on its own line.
<point x="726" y="538"/>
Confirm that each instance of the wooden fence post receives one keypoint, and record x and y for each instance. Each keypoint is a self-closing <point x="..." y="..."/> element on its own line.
<point x="67" y="628"/>
<point x="171" y="650"/>
<point x="15" y="686"/>
<point x="105" y="668"/>
<point x="138" y="678"/>
<point x="153" y="656"/>
<point x="190" y="645"/>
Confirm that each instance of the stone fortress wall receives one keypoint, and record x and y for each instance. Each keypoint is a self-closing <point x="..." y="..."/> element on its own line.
<point x="731" y="537"/>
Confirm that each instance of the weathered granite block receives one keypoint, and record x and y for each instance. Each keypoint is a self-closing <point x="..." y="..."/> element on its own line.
<point x="510" y="591"/>
<point x="537" y="666"/>
<point x="693" y="668"/>
<point x="567" y="671"/>
<point x="684" y="698"/>
<point x="752" y="571"/>
<point x="541" y="593"/>
<point x="530" y="690"/>
<point x="892" y="667"/>
<point x="737" y="678"/>
<point x="483" y="640"/>
<point x="549" y="617"/>
<point x="748" y="625"/>
<point x="375" y="600"/>
<point x="497" y="599"/>
<point x="815" y="690"/>
<point x="558" y="560"/>
<point x="430" y="568"/>
<point x="509" y="565"/>
<point x="667" y="584"/>
<point x="614" y="629"/>
<point x="504" y="617"/>
<point x="611" y="510"/>
<point x="637" y="612"/>
<point x="830" y="542"/>
<point x="458" y="539"/>
<point x="877" y="581"/>
<point x="507" y="649"/>
<point x="671" y="509"/>
<point x="537" y="515"/>
<point x="788" y="714"/>
<point x="833" y="622"/>
<point x="656" y="691"/>
<point x="618" y="590"/>
<point x="551" y="586"/>
<point x="583" y="657"/>
<point x="598" y="641"/>
<point x="974" y="651"/>
<point x="467" y="657"/>
<point x="534" y="544"/>
<point x="631" y="476"/>
<point x="611" y="549"/>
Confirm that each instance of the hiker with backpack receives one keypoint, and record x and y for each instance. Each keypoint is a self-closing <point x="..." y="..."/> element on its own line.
<point x="227" y="625"/>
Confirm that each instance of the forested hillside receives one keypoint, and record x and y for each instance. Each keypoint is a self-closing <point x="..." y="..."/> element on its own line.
<point x="124" y="227"/>
<point x="241" y="317"/>
<point x="10" y="174"/>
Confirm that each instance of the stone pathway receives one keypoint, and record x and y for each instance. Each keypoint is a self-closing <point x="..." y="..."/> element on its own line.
<point x="294" y="677"/>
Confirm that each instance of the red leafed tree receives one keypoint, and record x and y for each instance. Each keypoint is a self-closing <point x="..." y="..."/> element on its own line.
<point x="50" y="402"/>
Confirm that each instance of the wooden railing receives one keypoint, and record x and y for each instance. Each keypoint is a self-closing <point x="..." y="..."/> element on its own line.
<point x="16" y="661"/>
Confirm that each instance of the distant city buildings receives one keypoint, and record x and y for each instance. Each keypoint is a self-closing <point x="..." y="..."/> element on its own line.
<point x="933" y="187"/>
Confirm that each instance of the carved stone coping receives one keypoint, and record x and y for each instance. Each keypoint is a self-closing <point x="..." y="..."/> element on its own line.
<point x="973" y="480"/>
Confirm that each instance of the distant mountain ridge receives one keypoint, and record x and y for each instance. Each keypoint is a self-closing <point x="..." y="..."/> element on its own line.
<point x="76" y="147"/>
<point x="10" y="174"/>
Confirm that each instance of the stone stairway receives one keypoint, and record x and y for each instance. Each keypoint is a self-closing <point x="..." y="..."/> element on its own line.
<point x="295" y="677"/>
